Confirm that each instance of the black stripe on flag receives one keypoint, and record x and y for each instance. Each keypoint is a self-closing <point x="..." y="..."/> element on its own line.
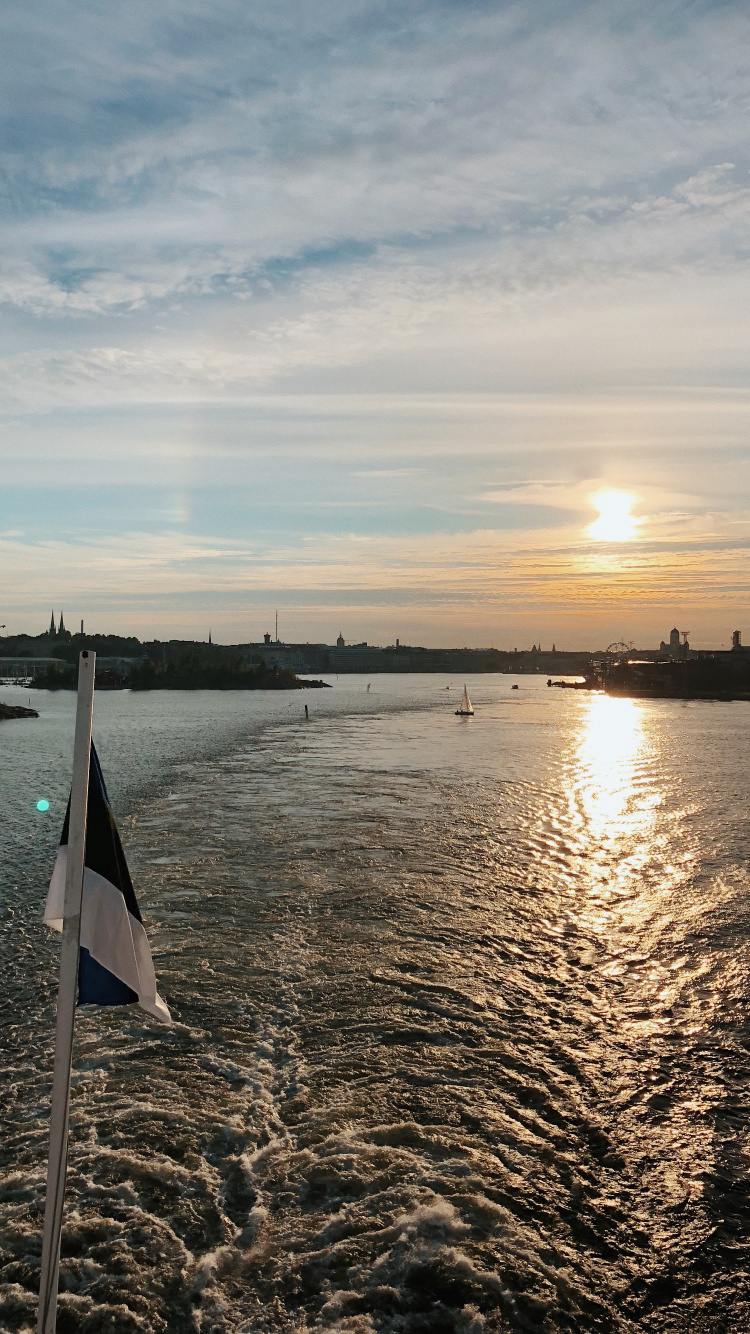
<point x="115" y="964"/>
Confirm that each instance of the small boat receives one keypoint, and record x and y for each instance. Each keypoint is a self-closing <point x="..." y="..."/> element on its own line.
<point x="465" y="708"/>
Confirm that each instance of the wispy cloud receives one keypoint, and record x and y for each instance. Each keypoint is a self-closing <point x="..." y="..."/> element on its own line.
<point x="201" y="149"/>
<point x="485" y="580"/>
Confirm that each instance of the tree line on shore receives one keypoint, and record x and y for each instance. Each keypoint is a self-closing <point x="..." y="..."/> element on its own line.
<point x="184" y="673"/>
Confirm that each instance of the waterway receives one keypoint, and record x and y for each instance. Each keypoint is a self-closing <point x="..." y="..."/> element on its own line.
<point x="461" y="1014"/>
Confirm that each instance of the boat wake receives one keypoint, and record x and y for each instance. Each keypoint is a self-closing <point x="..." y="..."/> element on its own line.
<point x="453" y="1051"/>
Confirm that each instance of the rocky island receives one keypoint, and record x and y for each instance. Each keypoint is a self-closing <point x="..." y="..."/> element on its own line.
<point x="187" y="672"/>
<point x="190" y="673"/>
<point x="8" y="711"/>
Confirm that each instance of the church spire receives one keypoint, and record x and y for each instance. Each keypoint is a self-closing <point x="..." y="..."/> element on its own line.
<point x="61" y="627"/>
<point x="52" y="632"/>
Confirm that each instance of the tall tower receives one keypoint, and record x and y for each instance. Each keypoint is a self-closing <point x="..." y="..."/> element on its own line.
<point x="61" y="627"/>
<point x="52" y="632"/>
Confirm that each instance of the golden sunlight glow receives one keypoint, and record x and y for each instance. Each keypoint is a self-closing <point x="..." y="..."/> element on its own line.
<point x="608" y="754"/>
<point x="615" y="522"/>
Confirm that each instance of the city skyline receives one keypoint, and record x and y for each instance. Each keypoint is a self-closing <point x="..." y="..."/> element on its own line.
<point x="58" y="629"/>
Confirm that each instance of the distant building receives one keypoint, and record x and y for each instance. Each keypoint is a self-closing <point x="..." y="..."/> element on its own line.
<point x="23" y="669"/>
<point x="736" y="639"/>
<point x="340" y="642"/>
<point x="674" y="648"/>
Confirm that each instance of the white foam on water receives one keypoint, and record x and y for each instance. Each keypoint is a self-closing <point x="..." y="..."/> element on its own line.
<point x="460" y="1044"/>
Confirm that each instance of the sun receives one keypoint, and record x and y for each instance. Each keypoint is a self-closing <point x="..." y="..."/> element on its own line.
<point x="615" y="522"/>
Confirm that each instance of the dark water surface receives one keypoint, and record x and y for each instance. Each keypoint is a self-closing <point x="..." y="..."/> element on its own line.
<point x="461" y="1005"/>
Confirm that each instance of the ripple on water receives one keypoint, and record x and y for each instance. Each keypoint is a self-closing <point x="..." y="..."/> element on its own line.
<point x="458" y="1045"/>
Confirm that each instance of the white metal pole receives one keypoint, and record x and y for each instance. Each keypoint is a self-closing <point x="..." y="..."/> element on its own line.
<point x="66" y="998"/>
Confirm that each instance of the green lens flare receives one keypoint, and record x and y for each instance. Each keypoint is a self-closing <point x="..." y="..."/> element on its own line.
<point x="42" y="805"/>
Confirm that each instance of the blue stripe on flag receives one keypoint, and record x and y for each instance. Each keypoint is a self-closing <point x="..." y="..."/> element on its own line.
<point x="97" y="986"/>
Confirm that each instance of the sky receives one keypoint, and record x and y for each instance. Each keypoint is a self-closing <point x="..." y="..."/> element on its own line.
<point x="356" y="310"/>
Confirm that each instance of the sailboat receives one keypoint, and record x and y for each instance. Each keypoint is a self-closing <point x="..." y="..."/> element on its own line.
<point x="465" y="708"/>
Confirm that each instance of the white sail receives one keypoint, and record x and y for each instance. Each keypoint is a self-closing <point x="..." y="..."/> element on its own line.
<point x="466" y="705"/>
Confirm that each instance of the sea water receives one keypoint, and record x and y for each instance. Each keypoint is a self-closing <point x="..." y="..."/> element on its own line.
<point x="460" y="1004"/>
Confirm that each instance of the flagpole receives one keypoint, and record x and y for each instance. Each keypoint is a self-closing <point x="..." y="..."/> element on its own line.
<point x="66" y="999"/>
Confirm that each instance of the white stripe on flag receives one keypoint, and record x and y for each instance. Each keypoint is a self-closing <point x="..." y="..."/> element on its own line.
<point x="115" y="939"/>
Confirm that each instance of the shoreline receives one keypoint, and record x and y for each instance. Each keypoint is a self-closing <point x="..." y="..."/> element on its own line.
<point x="9" y="712"/>
<point x="55" y="684"/>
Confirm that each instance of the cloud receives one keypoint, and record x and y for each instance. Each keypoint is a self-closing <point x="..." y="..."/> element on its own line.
<point x="388" y="234"/>
<point x="201" y="151"/>
<point x="493" y="583"/>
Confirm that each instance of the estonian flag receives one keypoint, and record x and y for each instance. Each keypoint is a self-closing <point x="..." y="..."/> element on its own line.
<point x="115" y="966"/>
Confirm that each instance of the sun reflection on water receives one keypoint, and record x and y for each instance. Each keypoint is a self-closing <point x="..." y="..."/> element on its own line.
<point x="607" y="755"/>
<point x="615" y="804"/>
